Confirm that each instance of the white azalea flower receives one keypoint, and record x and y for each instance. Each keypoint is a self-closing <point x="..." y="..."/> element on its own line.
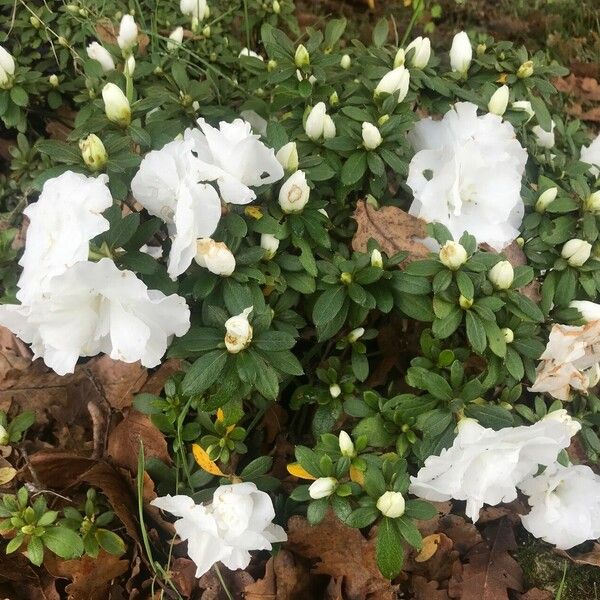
<point x="239" y="519"/>
<point x="93" y="308"/>
<point x="67" y="215"/>
<point x="565" y="505"/>
<point x="591" y="156"/>
<point x="167" y="186"/>
<point x="569" y="361"/>
<point x="590" y="311"/>
<point x="257" y="123"/>
<point x="234" y="158"/>
<point x="484" y="466"/>
<point x="99" y="53"/>
<point x="250" y="53"/>
<point x="466" y="174"/>
<point x="545" y="139"/>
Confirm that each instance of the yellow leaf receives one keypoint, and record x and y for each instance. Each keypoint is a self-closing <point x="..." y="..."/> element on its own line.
<point x="298" y="470"/>
<point x="357" y="475"/>
<point x="220" y="415"/>
<point x="254" y="212"/>
<point x="429" y="548"/>
<point x="205" y="463"/>
<point x="371" y="4"/>
<point x="7" y="474"/>
<point x="502" y="78"/>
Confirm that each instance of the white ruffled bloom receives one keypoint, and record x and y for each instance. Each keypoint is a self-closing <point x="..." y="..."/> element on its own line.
<point x="396" y="80"/>
<point x="422" y="52"/>
<point x="569" y="361"/>
<point x="67" y="215"/>
<point x="461" y="52"/>
<point x="215" y="256"/>
<point x="168" y="186"/>
<point x="545" y="139"/>
<point x="234" y="158"/>
<point x="100" y="54"/>
<point x="238" y="332"/>
<point x="466" y="174"/>
<point x="591" y="156"/>
<point x="128" y="33"/>
<point x="565" y="505"/>
<point x="194" y="8"/>
<point x="294" y="193"/>
<point x="239" y="519"/>
<point x="484" y="466"/>
<point x="93" y="308"/>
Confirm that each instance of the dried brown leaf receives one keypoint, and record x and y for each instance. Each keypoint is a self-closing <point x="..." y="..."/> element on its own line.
<point x="341" y="552"/>
<point x="392" y="228"/>
<point x="427" y="590"/>
<point x="588" y="558"/>
<point x="124" y="441"/>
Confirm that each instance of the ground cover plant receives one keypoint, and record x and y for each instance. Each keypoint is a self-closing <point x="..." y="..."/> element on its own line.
<point x="288" y="313"/>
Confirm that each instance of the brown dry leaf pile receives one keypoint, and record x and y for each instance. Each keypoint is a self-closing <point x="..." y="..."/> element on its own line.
<point x="583" y="96"/>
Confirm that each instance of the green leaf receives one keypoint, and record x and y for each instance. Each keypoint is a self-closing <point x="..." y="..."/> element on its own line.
<point x="362" y="517"/>
<point x="309" y="460"/>
<point x="381" y="32"/>
<point x="110" y="542"/>
<point x="409" y="531"/>
<point x="59" y="151"/>
<point x="389" y="550"/>
<point x="204" y="372"/>
<point x="354" y="168"/>
<point x="63" y="542"/>
<point x="475" y="332"/>
<point x="316" y="510"/>
<point x="273" y="341"/>
<point x="259" y="466"/>
<point x="421" y="510"/>
<point x="490" y="415"/>
<point x="35" y="551"/>
<point x="19" y="96"/>
<point x="328" y="305"/>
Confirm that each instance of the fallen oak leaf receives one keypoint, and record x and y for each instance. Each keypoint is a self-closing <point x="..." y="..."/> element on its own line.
<point x="392" y="228"/>
<point x="588" y="558"/>
<point x="340" y="552"/>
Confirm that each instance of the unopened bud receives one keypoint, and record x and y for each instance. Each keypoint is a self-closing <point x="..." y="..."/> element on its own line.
<point x="501" y="275"/>
<point x="93" y="152"/>
<point x="576" y="252"/>
<point x="465" y="303"/>
<point x="453" y="255"/>
<point x="545" y="199"/>
<point x="525" y="70"/>
<point x="508" y="334"/>
<point x="376" y="259"/>
<point x="322" y="487"/>
<point x="346" y="445"/>
<point x="53" y="80"/>
<point x="301" y="57"/>
<point x="391" y="504"/>
<point x="356" y="334"/>
<point x="592" y="203"/>
<point x="346" y="62"/>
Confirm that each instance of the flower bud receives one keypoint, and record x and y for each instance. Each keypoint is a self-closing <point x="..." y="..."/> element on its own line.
<point x="590" y="311"/>
<point x="545" y="139"/>
<point x="501" y="275"/>
<point x="383" y="119"/>
<point x="480" y="49"/>
<point x="315" y="121"/>
<point x="592" y="203"/>
<point x="525" y="106"/>
<point x="206" y="31"/>
<point x="329" y="130"/>
<point x="461" y="53"/>
<point x="288" y="157"/>
<point x="499" y="101"/>
<point x="334" y="99"/>
<point x="399" y="58"/>
<point x="346" y="62"/>
<point x="322" y="487"/>
<point x="100" y="54"/>
<point x="576" y="252"/>
<point x="335" y="390"/>
<point x="35" y="22"/>
<point x="276" y="7"/>
<point x="294" y="193"/>
<point x="93" y="152"/>
<point x="214" y="256"/>
<point x="525" y="70"/>
<point x="396" y="80"/>
<point x="7" y="69"/>
<point x="464" y="302"/>
<point x="562" y="416"/>
<point x="422" y="52"/>
<point x="346" y="445"/>
<point x="301" y="57"/>
<point x="116" y="105"/>
<point x="391" y="504"/>
<point x="271" y="65"/>
<point x="53" y="80"/>
<point x="175" y="39"/>
<point x="371" y="136"/>
<point x="356" y="334"/>
<point x="346" y="278"/>
<point x="508" y="335"/>
<point x="269" y="243"/>
<point x="129" y="66"/>
<point x="453" y="255"/>
<point x="238" y="332"/>
<point x="376" y="259"/>
<point x="128" y="33"/>
<point x="546" y="198"/>
<point x="593" y="376"/>
<point x="4" y="437"/>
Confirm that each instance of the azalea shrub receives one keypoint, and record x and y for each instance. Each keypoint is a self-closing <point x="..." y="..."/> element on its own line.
<point x="397" y="245"/>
